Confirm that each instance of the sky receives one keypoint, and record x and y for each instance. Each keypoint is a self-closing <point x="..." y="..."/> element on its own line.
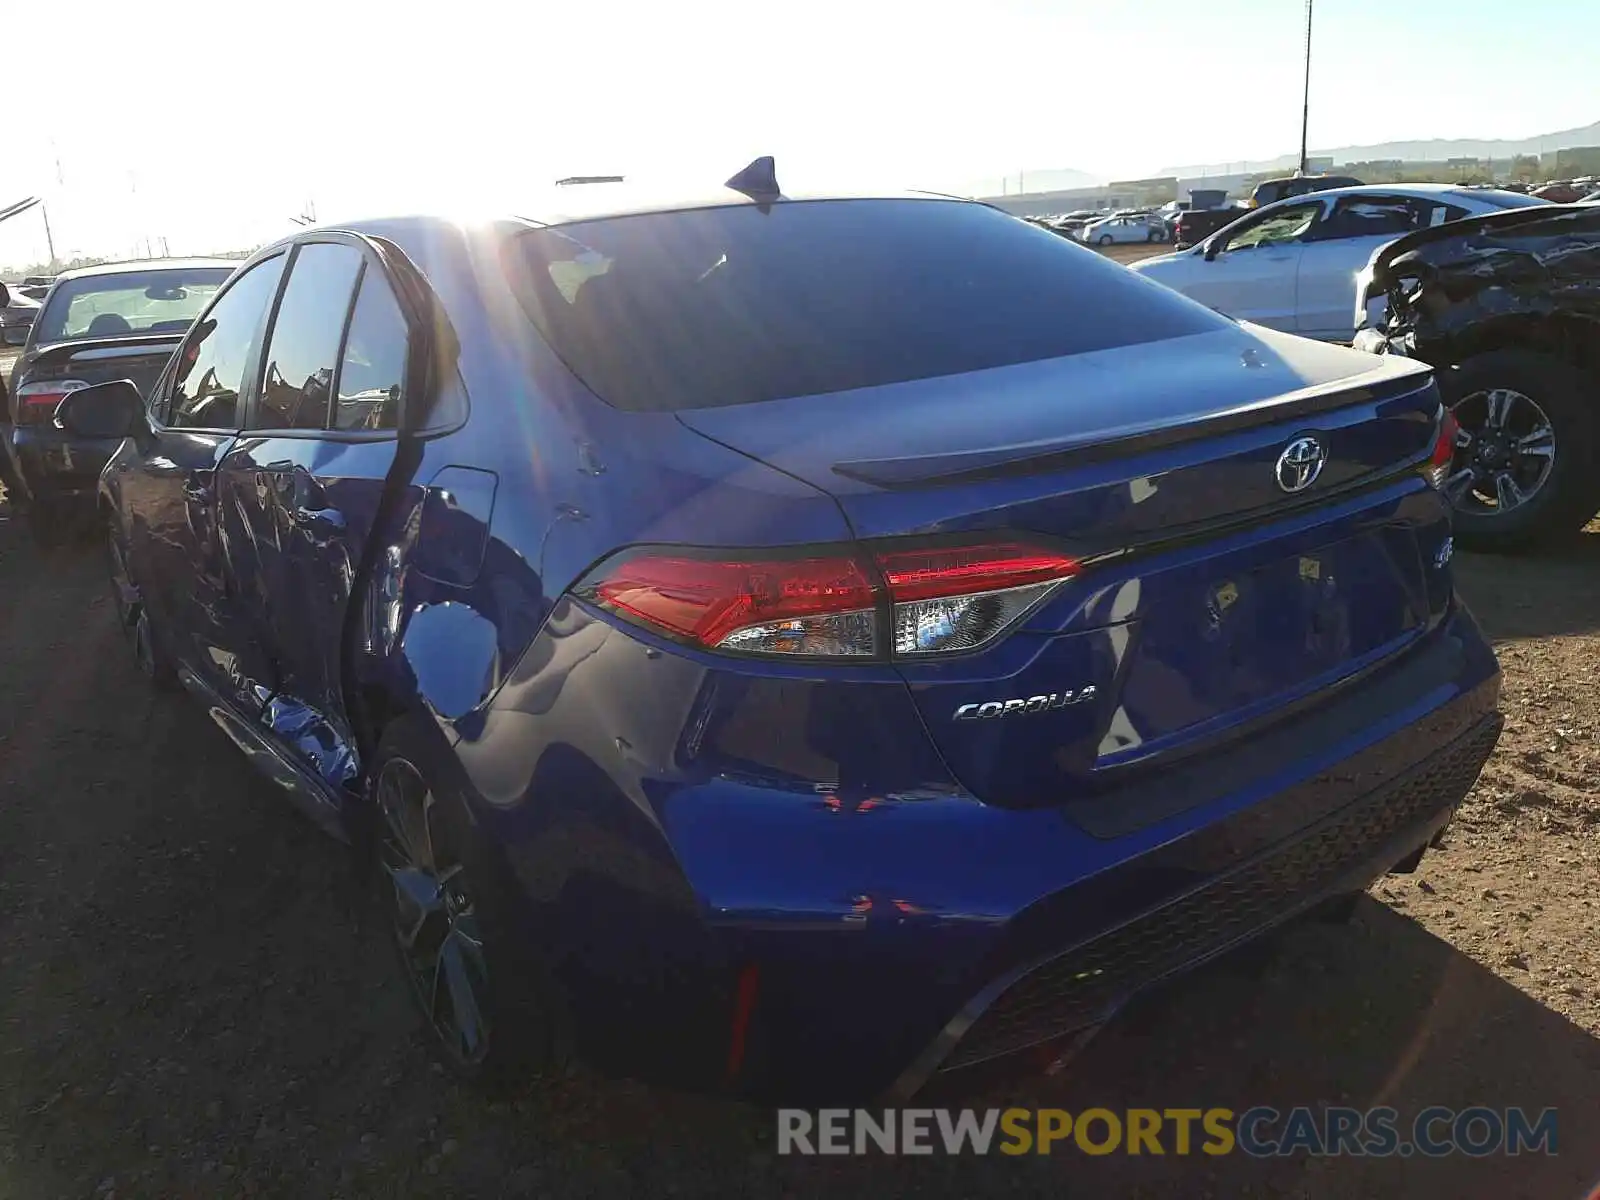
<point x="209" y="123"/>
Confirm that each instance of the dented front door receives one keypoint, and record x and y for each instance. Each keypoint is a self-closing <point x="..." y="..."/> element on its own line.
<point x="311" y="474"/>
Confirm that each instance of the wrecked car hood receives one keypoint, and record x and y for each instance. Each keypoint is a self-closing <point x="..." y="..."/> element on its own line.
<point x="1453" y="281"/>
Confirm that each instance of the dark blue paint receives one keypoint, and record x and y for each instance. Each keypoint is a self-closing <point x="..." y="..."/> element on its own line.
<point x="451" y="650"/>
<point x="671" y="816"/>
<point x="456" y="513"/>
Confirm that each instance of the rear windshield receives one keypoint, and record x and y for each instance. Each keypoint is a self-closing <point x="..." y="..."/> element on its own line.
<point x="1499" y="199"/>
<point x="115" y="305"/>
<point x="718" y="306"/>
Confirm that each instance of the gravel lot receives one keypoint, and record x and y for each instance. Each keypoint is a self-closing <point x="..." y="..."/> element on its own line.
<point x="192" y="1007"/>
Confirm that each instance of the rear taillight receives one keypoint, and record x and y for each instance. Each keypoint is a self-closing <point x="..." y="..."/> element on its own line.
<point x="801" y="606"/>
<point x="36" y="402"/>
<point x="947" y="600"/>
<point x="1437" y="469"/>
<point x="890" y="602"/>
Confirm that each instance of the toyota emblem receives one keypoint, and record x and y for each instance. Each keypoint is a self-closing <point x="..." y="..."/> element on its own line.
<point x="1300" y="463"/>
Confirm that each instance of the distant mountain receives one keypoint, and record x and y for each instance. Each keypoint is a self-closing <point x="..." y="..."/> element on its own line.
<point x="1429" y="150"/>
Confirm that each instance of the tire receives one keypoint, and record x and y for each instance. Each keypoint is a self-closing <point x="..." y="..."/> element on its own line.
<point x="1531" y="392"/>
<point x="443" y="898"/>
<point x="133" y="618"/>
<point x="1105" y="239"/>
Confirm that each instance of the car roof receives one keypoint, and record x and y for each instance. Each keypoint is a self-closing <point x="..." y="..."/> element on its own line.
<point x="1422" y="190"/>
<point x="147" y="264"/>
<point x="594" y="202"/>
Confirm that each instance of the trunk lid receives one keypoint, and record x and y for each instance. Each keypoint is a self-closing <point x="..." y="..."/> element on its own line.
<point x="100" y="360"/>
<point x="1211" y="597"/>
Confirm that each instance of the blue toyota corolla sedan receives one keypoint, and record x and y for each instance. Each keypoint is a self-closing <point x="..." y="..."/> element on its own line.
<point x="796" y="645"/>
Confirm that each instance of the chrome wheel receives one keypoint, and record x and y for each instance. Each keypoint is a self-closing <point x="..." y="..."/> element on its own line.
<point x="435" y="923"/>
<point x="1505" y="452"/>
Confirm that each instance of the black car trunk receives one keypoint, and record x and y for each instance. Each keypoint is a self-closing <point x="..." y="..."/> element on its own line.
<point x="88" y="361"/>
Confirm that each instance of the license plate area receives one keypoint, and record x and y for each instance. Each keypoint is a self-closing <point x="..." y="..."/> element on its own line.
<point x="1222" y="640"/>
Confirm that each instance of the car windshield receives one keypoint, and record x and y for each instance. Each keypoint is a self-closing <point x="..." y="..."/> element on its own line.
<point x="1286" y="225"/>
<point x="161" y="300"/>
<point x="731" y="305"/>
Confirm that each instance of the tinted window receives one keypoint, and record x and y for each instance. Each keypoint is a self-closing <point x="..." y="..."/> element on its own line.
<point x="297" y="381"/>
<point x="731" y="305"/>
<point x="1374" y="216"/>
<point x="211" y="365"/>
<point x="128" y="302"/>
<point x="374" y="363"/>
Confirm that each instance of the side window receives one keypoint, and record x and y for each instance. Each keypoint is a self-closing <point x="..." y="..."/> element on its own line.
<point x="1276" y="228"/>
<point x="211" y="362"/>
<point x="374" y="364"/>
<point x="297" y="379"/>
<point x="1370" y="216"/>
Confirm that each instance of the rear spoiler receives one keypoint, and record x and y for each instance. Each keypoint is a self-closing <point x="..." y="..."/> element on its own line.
<point x="1060" y="453"/>
<point x="100" y="348"/>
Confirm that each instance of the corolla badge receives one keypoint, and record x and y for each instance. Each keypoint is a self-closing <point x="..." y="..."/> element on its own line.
<point x="990" y="709"/>
<point x="1300" y="463"/>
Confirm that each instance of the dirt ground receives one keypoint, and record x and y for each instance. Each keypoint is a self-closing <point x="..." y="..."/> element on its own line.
<point x="1132" y="254"/>
<point x="192" y="1006"/>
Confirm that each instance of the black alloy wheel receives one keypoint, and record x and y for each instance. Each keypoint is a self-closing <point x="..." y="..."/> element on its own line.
<point x="1505" y="452"/>
<point x="433" y="915"/>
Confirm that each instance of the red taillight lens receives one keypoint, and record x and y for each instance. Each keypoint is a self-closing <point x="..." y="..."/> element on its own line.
<point x="1444" y="449"/>
<point x="938" y="600"/>
<point x="930" y="574"/>
<point x="36" y="402"/>
<point x="804" y="606"/>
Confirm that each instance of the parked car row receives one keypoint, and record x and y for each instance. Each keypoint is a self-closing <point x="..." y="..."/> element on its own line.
<point x="844" y="636"/>
<point x="1109" y="228"/>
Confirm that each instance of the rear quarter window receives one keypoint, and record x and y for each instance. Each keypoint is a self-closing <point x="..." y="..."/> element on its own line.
<point x="733" y="305"/>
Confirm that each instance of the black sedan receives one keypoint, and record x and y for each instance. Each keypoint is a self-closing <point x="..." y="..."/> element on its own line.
<point x="117" y="321"/>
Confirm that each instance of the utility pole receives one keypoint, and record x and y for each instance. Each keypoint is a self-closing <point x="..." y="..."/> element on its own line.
<point x="48" y="240"/>
<point x="1305" y="111"/>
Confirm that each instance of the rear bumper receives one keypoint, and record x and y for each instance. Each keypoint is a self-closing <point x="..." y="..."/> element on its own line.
<point x="1084" y="985"/>
<point x="53" y="466"/>
<point x="891" y="931"/>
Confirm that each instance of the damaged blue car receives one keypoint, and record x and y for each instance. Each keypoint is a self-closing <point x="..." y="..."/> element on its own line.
<point x="796" y="645"/>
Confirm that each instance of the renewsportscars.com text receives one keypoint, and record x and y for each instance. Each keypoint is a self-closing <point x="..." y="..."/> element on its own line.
<point x="1260" y="1132"/>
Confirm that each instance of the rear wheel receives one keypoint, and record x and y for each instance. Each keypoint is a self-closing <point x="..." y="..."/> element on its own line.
<point x="447" y="909"/>
<point x="1522" y="473"/>
<point x="1105" y="239"/>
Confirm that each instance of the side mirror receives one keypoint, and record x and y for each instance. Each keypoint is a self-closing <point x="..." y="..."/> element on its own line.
<point x="15" y="335"/>
<point x="102" y="410"/>
<point x="1213" y="248"/>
